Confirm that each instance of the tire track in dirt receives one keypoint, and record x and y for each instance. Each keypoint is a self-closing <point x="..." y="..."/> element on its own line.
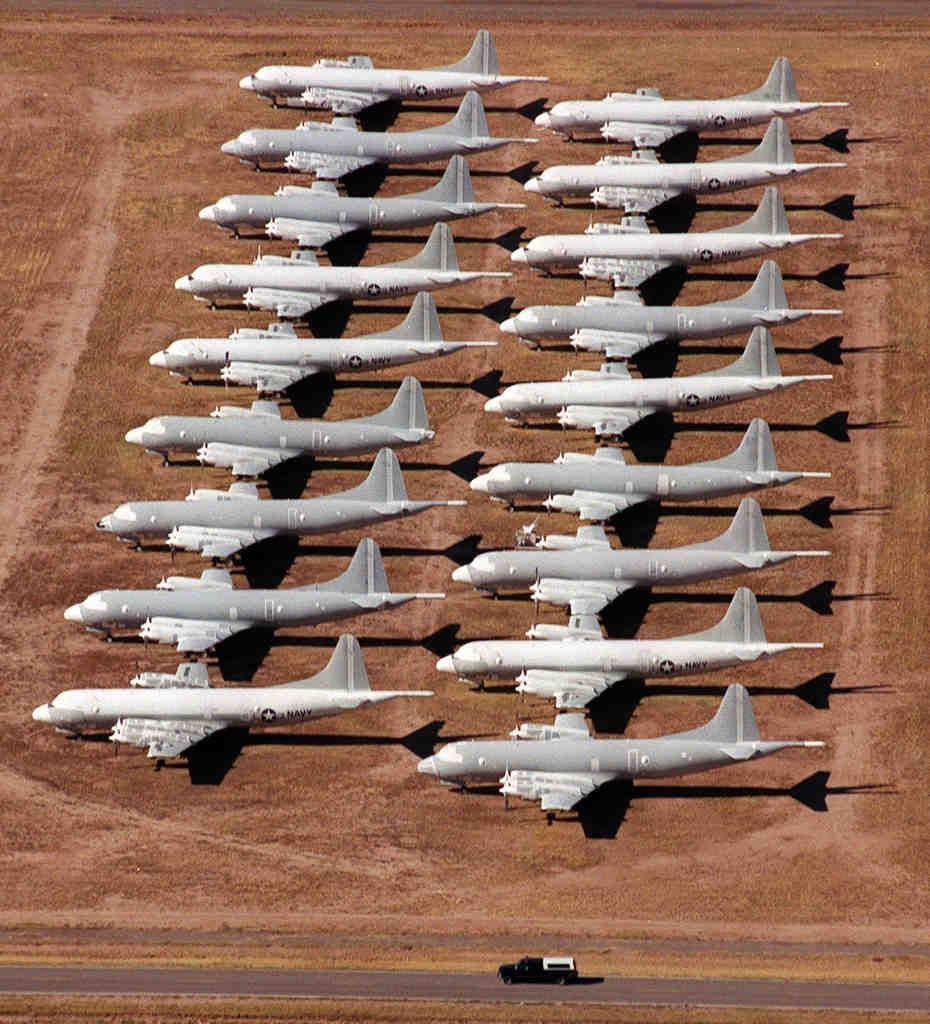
<point x="65" y="298"/>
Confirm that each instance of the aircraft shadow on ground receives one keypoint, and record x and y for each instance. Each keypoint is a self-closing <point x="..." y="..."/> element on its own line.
<point x="239" y="657"/>
<point x="612" y="710"/>
<point x="210" y="761"/>
<point x="635" y="527"/>
<point x="488" y="384"/>
<point x="290" y="479"/>
<point x="684" y="148"/>
<point x="602" y="813"/>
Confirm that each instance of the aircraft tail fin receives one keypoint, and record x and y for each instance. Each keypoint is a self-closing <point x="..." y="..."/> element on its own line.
<point x="746" y="533"/>
<point x="345" y="670"/>
<point x="407" y="411"/>
<point x="453" y="187"/>
<point x="769" y="219"/>
<point x="758" y="358"/>
<point x="734" y="721"/>
<point x="779" y="87"/>
<point x="742" y="623"/>
<point x="767" y="291"/>
<point x="420" y="324"/>
<point x="365" y="574"/>
<point x="437" y="254"/>
<point x="469" y="121"/>
<point x="385" y="481"/>
<point x="481" y="59"/>
<point x="756" y="452"/>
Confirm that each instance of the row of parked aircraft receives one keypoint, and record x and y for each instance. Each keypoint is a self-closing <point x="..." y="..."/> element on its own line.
<point x="573" y="664"/>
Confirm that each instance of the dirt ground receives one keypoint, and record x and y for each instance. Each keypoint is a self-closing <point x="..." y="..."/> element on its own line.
<point x="113" y="125"/>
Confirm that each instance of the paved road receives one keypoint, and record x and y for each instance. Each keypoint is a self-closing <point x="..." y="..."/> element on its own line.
<point x="301" y="984"/>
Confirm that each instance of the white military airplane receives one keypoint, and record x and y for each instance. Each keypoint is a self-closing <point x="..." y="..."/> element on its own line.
<point x="577" y="667"/>
<point x="647" y="120"/>
<point x="610" y="400"/>
<point x="198" y="613"/>
<point x="275" y="359"/>
<point x="602" y="484"/>
<point x="293" y="286"/>
<point x="171" y="714"/>
<point x="584" y="572"/>
<point x="639" y="183"/>
<point x="629" y="253"/>
<point x="350" y="85"/>
<point x="220" y="524"/>
<point x="337" y="149"/>
<point x="567" y="766"/>
<point x="315" y="216"/>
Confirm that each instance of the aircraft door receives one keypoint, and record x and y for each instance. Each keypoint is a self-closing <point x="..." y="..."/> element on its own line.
<point x="269" y="610"/>
<point x="292" y="518"/>
<point x="636" y="762"/>
<point x="662" y="485"/>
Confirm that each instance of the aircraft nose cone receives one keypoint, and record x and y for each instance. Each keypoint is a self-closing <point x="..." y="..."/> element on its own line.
<point x="533" y="185"/>
<point x="543" y="120"/>
<point x="518" y="256"/>
<point x="208" y="213"/>
<point x="41" y="714"/>
<point x="445" y="664"/>
<point x="493" y="405"/>
<point x="159" y="359"/>
<point x="183" y="284"/>
<point x="427" y="766"/>
<point x="230" y="148"/>
<point x="134" y="436"/>
<point x="462" y="574"/>
<point x="247" y="83"/>
<point x="509" y="326"/>
<point x="74" y="613"/>
<point x="480" y="483"/>
<point x="104" y="523"/>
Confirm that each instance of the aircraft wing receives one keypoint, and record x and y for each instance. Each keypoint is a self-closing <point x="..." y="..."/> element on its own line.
<point x="163" y="737"/>
<point x="283" y="303"/>
<point x="216" y="542"/>
<point x="599" y="506"/>
<point x="644" y="136"/>
<point x="326" y="166"/>
<point x="266" y="377"/>
<point x="346" y="101"/>
<point x="584" y="597"/>
<point x="557" y="791"/>
<point x="641" y="200"/>
<point x="614" y="344"/>
<point x="309" y="234"/>
<point x="606" y="420"/>
<point x="244" y="460"/>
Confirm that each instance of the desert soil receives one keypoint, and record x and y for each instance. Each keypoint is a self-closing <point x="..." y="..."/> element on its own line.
<point x="113" y="125"/>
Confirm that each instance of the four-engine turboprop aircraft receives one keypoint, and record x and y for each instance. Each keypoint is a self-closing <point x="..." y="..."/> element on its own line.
<point x="219" y="524"/>
<point x="176" y="713"/>
<point x="647" y="120"/>
<point x="562" y="770"/>
<point x="622" y="326"/>
<point x="586" y="573"/>
<point x="610" y="400"/>
<point x="350" y="85"/>
<point x="313" y="217"/>
<point x="336" y="149"/>
<point x="196" y="614"/>
<point x="276" y="359"/>
<point x="576" y="668"/>
<point x="295" y="285"/>
<point x="251" y="441"/>
<point x="599" y="486"/>
<point x="639" y="183"/>
<point x="629" y="253"/>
